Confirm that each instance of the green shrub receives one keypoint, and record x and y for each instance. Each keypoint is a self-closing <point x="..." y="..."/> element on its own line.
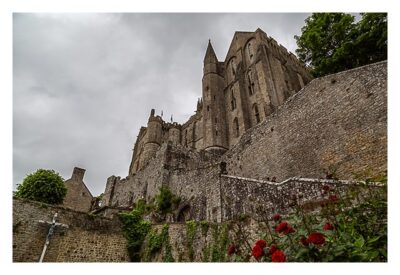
<point x="166" y="200"/>
<point x="44" y="186"/>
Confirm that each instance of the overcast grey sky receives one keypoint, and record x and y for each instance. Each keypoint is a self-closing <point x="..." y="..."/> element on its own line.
<point x="85" y="83"/>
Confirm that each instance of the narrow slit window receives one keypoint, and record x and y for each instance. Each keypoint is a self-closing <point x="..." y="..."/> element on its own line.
<point x="256" y="113"/>
<point x="236" y="127"/>
<point x="233" y="101"/>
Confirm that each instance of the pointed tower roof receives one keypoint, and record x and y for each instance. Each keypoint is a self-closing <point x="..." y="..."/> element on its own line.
<point x="210" y="56"/>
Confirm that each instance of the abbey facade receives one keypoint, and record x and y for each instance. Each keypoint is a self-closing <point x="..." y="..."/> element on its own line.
<point x="256" y="77"/>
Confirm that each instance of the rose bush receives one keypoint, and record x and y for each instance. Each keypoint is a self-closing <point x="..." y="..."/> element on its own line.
<point x="348" y="227"/>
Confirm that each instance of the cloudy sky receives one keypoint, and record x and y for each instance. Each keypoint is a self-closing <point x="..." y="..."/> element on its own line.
<point x="83" y="84"/>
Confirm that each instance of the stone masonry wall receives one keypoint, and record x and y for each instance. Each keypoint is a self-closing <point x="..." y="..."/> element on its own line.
<point x="200" y="189"/>
<point x="210" y="240"/>
<point x="242" y="223"/>
<point x="144" y="184"/>
<point x="244" y="196"/>
<point x="337" y="123"/>
<point x="194" y="177"/>
<point x="87" y="239"/>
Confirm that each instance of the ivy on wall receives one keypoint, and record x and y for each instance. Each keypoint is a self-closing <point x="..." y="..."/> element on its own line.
<point x="191" y="228"/>
<point x="156" y="242"/>
<point x="135" y="230"/>
<point x="144" y="242"/>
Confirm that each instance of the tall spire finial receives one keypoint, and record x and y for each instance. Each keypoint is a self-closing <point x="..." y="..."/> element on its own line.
<point x="210" y="56"/>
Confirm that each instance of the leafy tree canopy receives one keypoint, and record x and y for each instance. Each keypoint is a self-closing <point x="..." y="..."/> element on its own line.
<point x="333" y="42"/>
<point x="44" y="185"/>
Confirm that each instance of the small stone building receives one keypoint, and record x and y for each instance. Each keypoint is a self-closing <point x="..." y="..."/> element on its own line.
<point x="78" y="195"/>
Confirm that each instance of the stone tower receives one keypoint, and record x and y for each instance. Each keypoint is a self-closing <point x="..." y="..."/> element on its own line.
<point x="154" y="136"/>
<point x="214" y="115"/>
<point x="174" y="134"/>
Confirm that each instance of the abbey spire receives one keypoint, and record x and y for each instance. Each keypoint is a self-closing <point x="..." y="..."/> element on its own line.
<point x="210" y="56"/>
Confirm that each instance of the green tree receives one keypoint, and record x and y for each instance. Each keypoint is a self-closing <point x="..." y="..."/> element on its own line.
<point x="371" y="41"/>
<point x="44" y="185"/>
<point x="333" y="42"/>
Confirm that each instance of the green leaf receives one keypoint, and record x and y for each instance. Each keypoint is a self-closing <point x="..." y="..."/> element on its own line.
<point x="372" y="255"/>
<point x="370" y="241"/>
<point x="359" y="242"/>
<point x="301" y="254"/>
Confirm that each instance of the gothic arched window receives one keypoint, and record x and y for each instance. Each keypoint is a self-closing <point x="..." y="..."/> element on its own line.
<point x="251" y="83"/>
<point x="250" y="50"/>
<point x="233" y="67"/>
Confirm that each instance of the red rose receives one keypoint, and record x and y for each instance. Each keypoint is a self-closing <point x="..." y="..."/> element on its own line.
<point x="231" y="249"/>
<point x="333" y="198"/>
<point x="304" y="241"/>
<point x="276" y="217"/>
<point x="328" y="226"/>
<point x="285" y="228"/>
<point x="281" y="227"/>
<point x="288" y="230"/>
<point x="272" y="250"/>
<point x="278" y="257"/>
<point x="257" y="252"/>
<point x="316" y="238"/>
<point x="261" y="243"/>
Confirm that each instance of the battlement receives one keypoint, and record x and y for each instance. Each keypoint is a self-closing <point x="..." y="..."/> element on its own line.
<point x="156" y="119"/>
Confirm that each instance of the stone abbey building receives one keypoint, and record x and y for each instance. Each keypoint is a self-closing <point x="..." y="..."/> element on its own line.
<point x="256" y="77"/>
<point x="261" y="118"/>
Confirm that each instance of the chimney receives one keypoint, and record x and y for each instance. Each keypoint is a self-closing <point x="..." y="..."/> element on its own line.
<point x="78" y="174"/>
